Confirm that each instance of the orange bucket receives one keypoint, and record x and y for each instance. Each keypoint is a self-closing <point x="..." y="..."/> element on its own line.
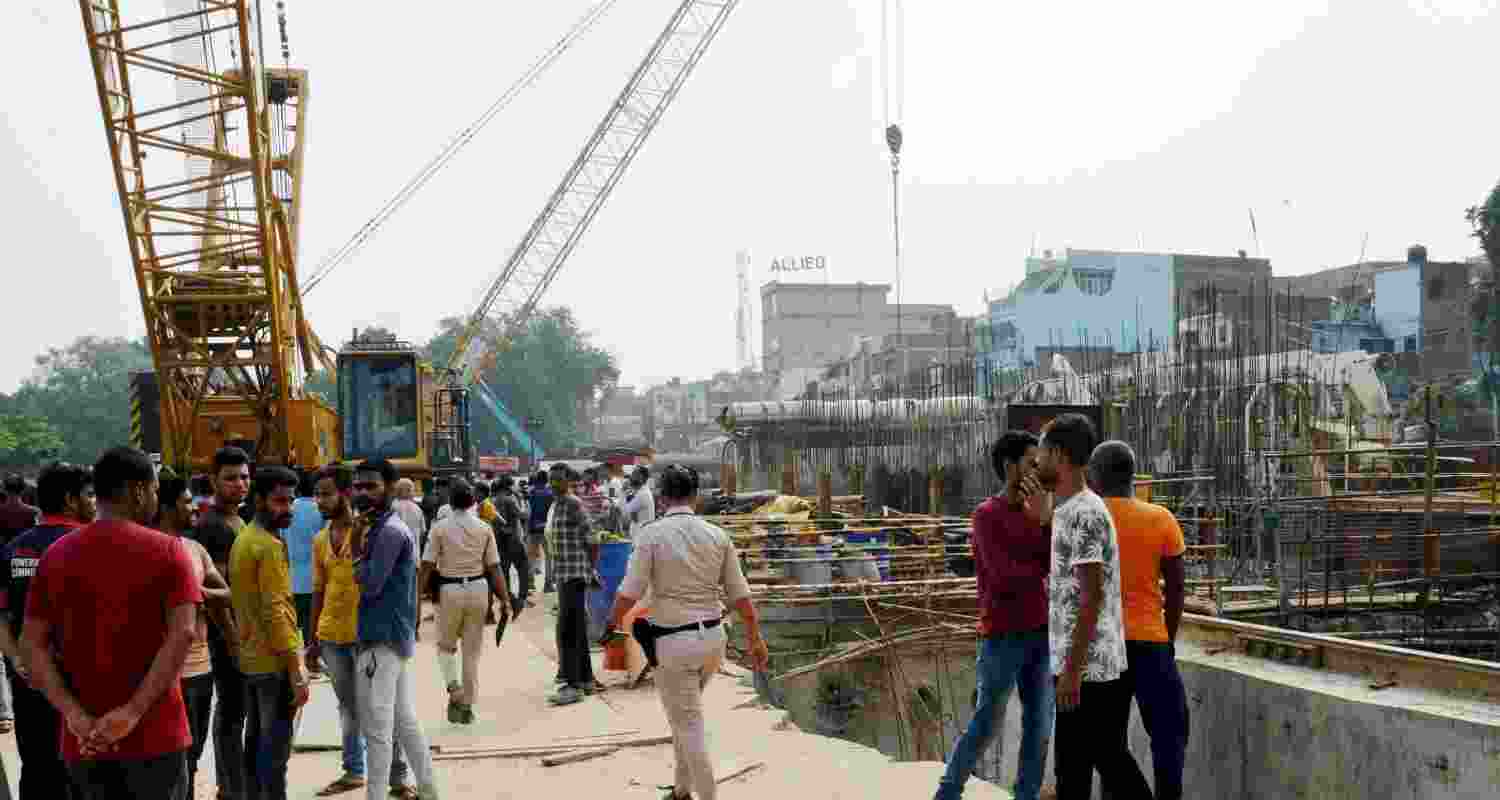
<point x="614" y="655"/>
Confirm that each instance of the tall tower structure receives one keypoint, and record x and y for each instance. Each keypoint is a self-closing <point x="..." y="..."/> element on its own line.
<point x="743" y="357"/>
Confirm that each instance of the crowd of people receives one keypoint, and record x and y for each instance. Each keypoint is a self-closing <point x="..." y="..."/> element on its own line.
<point x="1081" y="590"/>
<point x="190" y="611"/>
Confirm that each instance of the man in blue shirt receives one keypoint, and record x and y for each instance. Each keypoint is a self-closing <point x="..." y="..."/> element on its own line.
<point x="306" y="522"/>
<point x="536" y="531"/>
<point x="385" y="565"/>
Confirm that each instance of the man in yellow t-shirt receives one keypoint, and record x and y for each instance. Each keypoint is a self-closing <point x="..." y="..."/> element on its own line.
<point x="335" y="614"/>
<point x="1151" y="548"/>
<point x="270" y="643"/>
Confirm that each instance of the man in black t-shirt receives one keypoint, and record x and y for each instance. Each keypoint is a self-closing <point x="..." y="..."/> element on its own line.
<point x="216" y="531"/>
<point x="66" y="495"/>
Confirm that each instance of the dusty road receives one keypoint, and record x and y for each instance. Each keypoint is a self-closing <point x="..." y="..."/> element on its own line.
<point x="513" y="710"/>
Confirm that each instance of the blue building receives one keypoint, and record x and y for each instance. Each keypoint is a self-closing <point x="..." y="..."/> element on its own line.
<point x="1101" y="300"/>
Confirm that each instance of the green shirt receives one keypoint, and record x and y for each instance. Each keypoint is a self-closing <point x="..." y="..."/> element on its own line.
<point x="260" y="585"/>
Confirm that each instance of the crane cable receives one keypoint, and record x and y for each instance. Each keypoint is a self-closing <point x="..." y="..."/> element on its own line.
<point x="527" y="78"/>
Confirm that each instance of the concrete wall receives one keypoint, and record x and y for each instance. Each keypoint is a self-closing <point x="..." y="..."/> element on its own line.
<point x="1447" y="336"/>
<point x="1262" y="730"/>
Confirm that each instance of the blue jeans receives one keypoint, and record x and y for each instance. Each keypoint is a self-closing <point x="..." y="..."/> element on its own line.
<point x="268" y="734"/>
<point x="338" y="663"/>
<point x="1162" y="701"/>
<point x="1007" y="660"/>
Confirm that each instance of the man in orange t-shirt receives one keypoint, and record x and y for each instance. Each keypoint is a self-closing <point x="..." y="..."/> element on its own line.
<point x="1151" y="548"/>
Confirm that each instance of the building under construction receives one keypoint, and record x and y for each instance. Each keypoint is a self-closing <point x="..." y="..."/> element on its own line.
<point x="1310" y="502"/>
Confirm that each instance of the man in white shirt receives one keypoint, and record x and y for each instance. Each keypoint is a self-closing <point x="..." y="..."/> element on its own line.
<point x="411" y="513"/>
<point x="1086" y="624"/>
<point x="640" y="506"/>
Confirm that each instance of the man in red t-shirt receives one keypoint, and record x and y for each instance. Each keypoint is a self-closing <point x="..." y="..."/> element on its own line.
<point x="117" y="602"/>
<point x="1012" y="554"/>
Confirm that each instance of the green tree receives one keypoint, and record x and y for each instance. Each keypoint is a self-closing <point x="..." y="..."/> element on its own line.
<point x="81" y="392"/>
<point x="26" y="440"/>
<point x="1485" y="310"/>
<point x="551" y="372"/>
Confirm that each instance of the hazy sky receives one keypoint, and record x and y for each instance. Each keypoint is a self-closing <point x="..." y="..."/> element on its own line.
<point x="1102" y="125"/>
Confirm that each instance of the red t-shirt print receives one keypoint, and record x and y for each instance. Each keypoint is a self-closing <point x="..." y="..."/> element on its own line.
<point x="106" y="591"/>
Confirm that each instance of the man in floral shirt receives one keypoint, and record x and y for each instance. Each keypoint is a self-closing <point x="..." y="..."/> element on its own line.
<point x="1085" y="624"/>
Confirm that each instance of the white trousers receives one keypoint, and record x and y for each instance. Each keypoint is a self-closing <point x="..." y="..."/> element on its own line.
<point x="386" y="715"/>
<point x="688" y="661"/>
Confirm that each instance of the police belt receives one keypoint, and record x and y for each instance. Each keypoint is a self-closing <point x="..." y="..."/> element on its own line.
<point x="646" y="633"/>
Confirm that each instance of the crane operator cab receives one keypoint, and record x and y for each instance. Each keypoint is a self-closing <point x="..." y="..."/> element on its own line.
<point x="389" y="406"/>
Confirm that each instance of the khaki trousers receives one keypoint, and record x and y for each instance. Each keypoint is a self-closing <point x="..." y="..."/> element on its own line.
<point x="688" y="661"/>
<point x="461" y="610"/>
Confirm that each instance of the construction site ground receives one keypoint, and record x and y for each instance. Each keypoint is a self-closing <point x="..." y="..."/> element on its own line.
<point x="513" y="711"/>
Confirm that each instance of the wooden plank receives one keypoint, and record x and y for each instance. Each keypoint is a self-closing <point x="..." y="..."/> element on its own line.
<point x="598" y="735"/>
<point x="579" y="755"/>
<point x="745" y="770"/>
<point x="523" y="751"/>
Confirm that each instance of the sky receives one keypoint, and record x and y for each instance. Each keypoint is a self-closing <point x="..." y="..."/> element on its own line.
<point x="1348" y="126"/>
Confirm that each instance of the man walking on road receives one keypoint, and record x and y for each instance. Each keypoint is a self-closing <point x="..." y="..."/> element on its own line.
<point x="510" y="540"/>
<point x="1151" y="549"/>
<point x="1012" y="542"/>
<point x="536" y="537"/>
<point x="65" y="493"/>
<point x="687" y="563"/>
<point x="126" y="729"/>
<point x="462" y="551"/>
<point x="216" y="531"/>
<point x="386" y="569"/>
<point x="1087" y="637"/>
<point x="276" y="683"/>
<point x="572" y="552"/>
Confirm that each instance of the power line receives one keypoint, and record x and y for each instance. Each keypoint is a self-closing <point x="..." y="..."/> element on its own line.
<point x="405" y="193"/>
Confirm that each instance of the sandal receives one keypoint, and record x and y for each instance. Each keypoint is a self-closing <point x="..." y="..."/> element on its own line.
<point x="345" y="783"/>
<point x="405" y="792"/>
<point x="7" y="725"/>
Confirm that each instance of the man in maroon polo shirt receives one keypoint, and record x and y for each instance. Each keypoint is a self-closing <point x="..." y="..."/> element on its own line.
<point x="117" y="602"/>
<point x="1012" y="552"/>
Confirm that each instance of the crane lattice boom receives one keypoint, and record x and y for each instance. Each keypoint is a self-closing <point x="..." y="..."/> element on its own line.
<point x="209" y="181"/>
<point x="535" y="262"/>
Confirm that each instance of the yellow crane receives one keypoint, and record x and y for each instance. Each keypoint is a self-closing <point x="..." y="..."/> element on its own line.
<point x="210" y="184"/>
<point x="209" y="177"/>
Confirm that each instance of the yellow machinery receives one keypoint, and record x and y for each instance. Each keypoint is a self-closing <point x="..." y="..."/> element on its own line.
<point x="210" y="184"/>
<point x="209" y="177"/>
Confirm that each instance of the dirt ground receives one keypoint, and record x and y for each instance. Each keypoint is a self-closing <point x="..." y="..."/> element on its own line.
<point x="512" y="710"/>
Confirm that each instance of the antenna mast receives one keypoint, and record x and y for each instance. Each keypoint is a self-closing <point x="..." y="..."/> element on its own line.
<point x="742" y="318"/>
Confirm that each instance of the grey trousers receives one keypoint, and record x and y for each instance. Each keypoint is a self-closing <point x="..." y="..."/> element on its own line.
<point x="689" y="660"/>
<point x="386" y="715"/>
